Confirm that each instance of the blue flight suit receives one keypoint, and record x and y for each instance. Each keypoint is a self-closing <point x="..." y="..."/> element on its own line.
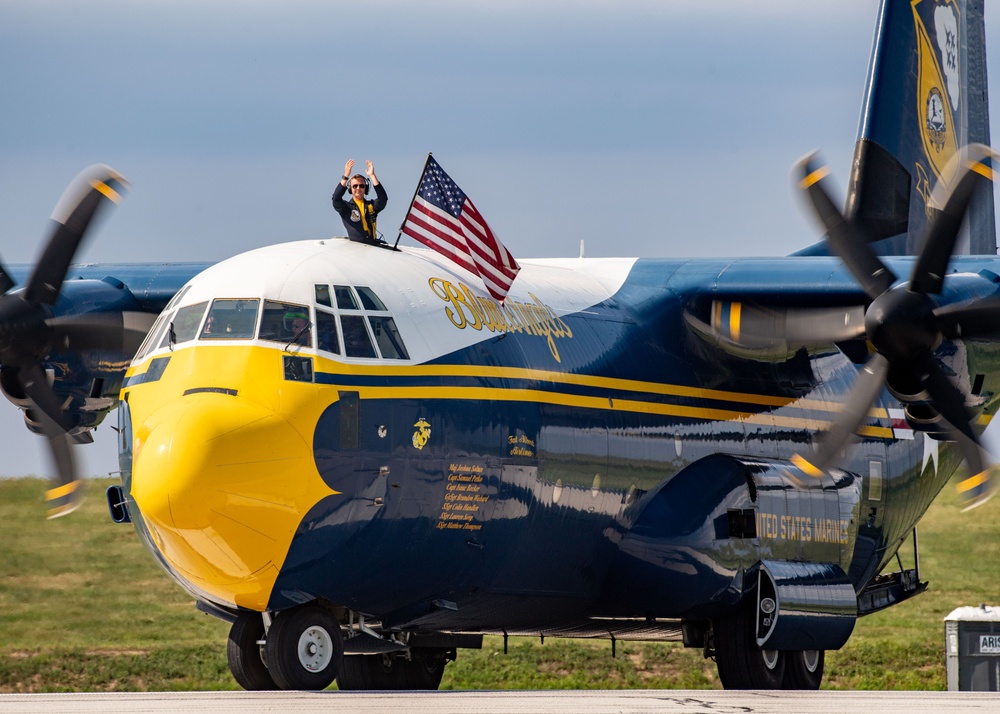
<point x="351" y="216"/>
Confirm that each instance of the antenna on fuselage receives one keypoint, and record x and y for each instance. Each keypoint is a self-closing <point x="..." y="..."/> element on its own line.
<point x="581" y="247"/>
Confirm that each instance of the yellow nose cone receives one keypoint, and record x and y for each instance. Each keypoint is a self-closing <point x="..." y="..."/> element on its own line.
<point x="222" y="484"/>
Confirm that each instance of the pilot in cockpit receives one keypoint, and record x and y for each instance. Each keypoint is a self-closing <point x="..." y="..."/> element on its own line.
<point x="296" y="324"/>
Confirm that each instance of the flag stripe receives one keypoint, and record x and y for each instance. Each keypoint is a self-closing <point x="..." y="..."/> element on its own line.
<point x="443" y="218"/>
<point x="441" y="239"/>
<point x="501" y="256"/>
<point x="447" y="228"/>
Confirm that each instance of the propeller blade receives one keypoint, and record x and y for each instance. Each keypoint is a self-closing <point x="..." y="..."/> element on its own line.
<point x="6" y="282"/>
<point x="949" y="401"/>
<point x="36" y="387"/>
<point x="74" y="213"/>
<point x="66" y="491"/>
<point x="65" y="494"/>
<point x="976" y="489"/>
<point x="123" y="331"/>
<point x="859" y="401"/>
<point x="972" y="318"/>
<point x="969" y="167"/>
<point x="845" y="238"/>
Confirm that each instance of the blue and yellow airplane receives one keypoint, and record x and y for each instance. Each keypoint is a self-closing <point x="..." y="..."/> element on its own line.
<point x="365" y="463"/>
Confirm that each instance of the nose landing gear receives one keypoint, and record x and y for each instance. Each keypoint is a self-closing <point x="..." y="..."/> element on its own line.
<point x="304" y="648"/>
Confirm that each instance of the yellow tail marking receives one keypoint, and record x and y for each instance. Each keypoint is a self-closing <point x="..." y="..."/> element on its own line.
<point x="806" y="467"/>
<point x="60" y="491"/>
<point x="816" y="176"/>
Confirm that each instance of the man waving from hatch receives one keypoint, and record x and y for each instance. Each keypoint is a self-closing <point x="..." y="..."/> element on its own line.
<point x="358" y="213"/>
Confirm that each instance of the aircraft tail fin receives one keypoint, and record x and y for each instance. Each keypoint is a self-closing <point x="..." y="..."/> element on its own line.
<point x="926" y="98"/>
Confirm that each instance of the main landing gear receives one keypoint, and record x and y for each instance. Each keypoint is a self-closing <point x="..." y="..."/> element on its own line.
<point x="303" y="649"/>
<point x="422" y="670"/>
<point x="744" y="665"/>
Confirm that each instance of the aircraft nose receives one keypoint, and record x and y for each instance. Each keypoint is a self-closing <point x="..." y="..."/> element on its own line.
<point x="222" y="484"/>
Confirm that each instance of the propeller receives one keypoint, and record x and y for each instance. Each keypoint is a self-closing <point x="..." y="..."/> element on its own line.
<point x="28" y="331"/>
<point x="904" y="323"/>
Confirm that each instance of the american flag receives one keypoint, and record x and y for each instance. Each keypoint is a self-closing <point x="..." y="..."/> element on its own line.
<point x="443" y="218"/>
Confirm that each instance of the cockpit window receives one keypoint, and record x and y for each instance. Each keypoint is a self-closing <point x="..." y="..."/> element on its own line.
<point x="390" y="344"/>
<point x="176" y="298"/>
<point x="326" y="332"/>
<point x="286" y="322"/>
<point x="154" y="336"/>
<point x="370" y="300"/>
<point x="184" y="326"/>
<point x="364" y="333"/>
<point x="323" y="295"/>
<point x="345" y="297"/>
<point x="357" y="343"/>
<point x="231" y="319"/>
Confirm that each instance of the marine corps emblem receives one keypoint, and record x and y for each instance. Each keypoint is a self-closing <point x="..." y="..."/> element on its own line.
<point x="422" y="435"/>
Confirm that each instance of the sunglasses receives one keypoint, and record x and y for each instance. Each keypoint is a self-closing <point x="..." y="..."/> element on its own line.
<point x="357" y="185"/>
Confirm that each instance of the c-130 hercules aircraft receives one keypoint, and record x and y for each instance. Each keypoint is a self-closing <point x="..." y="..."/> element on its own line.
<point x="724" y="452"/>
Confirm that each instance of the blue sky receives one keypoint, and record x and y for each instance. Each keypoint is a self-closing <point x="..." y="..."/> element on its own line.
<point x="644" y="128"/>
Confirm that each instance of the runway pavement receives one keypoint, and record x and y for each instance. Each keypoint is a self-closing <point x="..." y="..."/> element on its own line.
<point x="520" y="702"/>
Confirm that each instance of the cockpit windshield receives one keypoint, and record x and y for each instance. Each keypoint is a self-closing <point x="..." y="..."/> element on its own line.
<point x="345" y="320"/>
<point x="287" y="323"/>
<point x="184" y="325"/>
<point x="231" y="319"/>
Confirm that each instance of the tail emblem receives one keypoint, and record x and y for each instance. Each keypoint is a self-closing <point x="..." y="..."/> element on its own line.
<point x="938" y="82"/>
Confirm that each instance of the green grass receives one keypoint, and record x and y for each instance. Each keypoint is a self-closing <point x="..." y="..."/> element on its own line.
<point x="83" y="607"/>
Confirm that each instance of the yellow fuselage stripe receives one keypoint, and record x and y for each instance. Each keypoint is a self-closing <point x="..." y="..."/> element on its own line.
<point x="586" y="380"/>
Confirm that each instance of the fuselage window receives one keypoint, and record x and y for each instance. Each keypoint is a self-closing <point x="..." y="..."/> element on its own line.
<point x="345" y="297"/>
<point x="357" y="343"/>
<point x="326" y="331"/>
<point x="390" y="344"/>
<point x="286" y="322"/>
<point x="370" y="300"/>
<point x="363" y="334"/>
<point x="185" y="324"/>
<point x="231" y="319"/>
<point x="323" y="295"/>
